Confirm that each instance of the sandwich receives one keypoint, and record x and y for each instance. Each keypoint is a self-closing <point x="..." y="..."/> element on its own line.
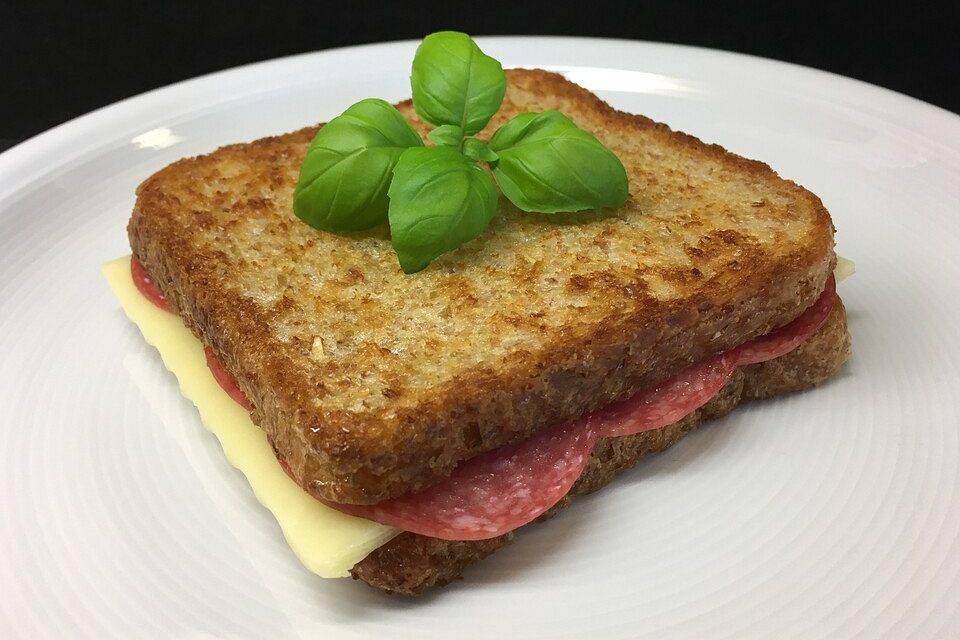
<point x="402" y="426"/>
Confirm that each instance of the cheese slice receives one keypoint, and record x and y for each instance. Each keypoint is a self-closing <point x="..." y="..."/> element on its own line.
<point x="326" y="541"/>
<point x="844" y="269"/>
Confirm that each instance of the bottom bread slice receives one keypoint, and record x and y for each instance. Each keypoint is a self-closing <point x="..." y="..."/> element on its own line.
<point x="410" y="562"/>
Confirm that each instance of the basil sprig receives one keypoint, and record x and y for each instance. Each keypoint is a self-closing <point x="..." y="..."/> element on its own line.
<point x="439" y="200"/>
<point x="546" y="164"/>
<point x="348" y="169"/>
<point x="368" y="166"/>
<point x="454" y="83"/>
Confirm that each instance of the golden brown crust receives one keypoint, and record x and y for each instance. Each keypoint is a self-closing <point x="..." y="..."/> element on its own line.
<point x="411" y="563"/>
<point x="372" y="383"/>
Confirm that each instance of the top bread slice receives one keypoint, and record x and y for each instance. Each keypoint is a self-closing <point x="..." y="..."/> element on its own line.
<point x="371" y="383"/>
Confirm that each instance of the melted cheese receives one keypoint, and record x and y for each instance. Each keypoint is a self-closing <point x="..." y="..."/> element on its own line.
<point x="326" y="541"/>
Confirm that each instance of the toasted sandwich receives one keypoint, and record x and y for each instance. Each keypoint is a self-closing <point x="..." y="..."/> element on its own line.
<point x="406" y="426"/>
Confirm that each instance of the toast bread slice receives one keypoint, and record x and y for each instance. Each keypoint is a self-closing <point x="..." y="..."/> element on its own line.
<point x="372" y="383"/>
<point x="411" y="563"/>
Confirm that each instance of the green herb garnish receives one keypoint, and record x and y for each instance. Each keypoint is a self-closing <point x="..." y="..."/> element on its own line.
<point x="439" y="199"/>
<point x="456" y="84"/>
<point x="347" y="171"/>
<point x="545" y="163"/>
<point x="368" y="166"/>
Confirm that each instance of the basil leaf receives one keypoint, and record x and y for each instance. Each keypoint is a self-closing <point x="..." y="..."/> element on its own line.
<point x="454" y="82"/>
<point x="478" y="150"/>
<point x="547" y="164"/>
<point x="347" y="170"/>
<point x="448" y="135"/>
<point x="438" y="200"/>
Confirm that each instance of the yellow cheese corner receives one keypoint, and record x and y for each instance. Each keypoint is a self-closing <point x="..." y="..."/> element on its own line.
<point x="326" y="541"/>
<point x="844" y="269"/>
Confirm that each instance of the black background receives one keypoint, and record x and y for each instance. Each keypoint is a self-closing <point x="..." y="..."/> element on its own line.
<point x="60" y="60"/>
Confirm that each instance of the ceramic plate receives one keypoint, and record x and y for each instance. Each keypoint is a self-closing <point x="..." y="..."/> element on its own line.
<point x="829" y="514"/>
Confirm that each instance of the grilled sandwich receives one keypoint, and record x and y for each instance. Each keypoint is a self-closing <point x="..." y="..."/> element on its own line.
<point x="374" y="387"/>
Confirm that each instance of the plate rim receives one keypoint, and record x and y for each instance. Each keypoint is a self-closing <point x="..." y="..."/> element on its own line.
<point x="26" y="162"/>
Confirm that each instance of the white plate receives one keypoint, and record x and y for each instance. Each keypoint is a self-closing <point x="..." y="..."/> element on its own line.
<point x="829" y="514"/>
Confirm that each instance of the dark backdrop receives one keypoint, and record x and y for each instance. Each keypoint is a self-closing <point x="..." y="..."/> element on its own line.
<point x="60" y="60"/>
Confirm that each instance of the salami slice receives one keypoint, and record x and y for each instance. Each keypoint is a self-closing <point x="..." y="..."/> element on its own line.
<point x="144" y="284"/>
<point x="666" y="403"/>
<point x="495" y="492"/>
<point x="225" y="380"/>
<point x="790" y="336"/>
